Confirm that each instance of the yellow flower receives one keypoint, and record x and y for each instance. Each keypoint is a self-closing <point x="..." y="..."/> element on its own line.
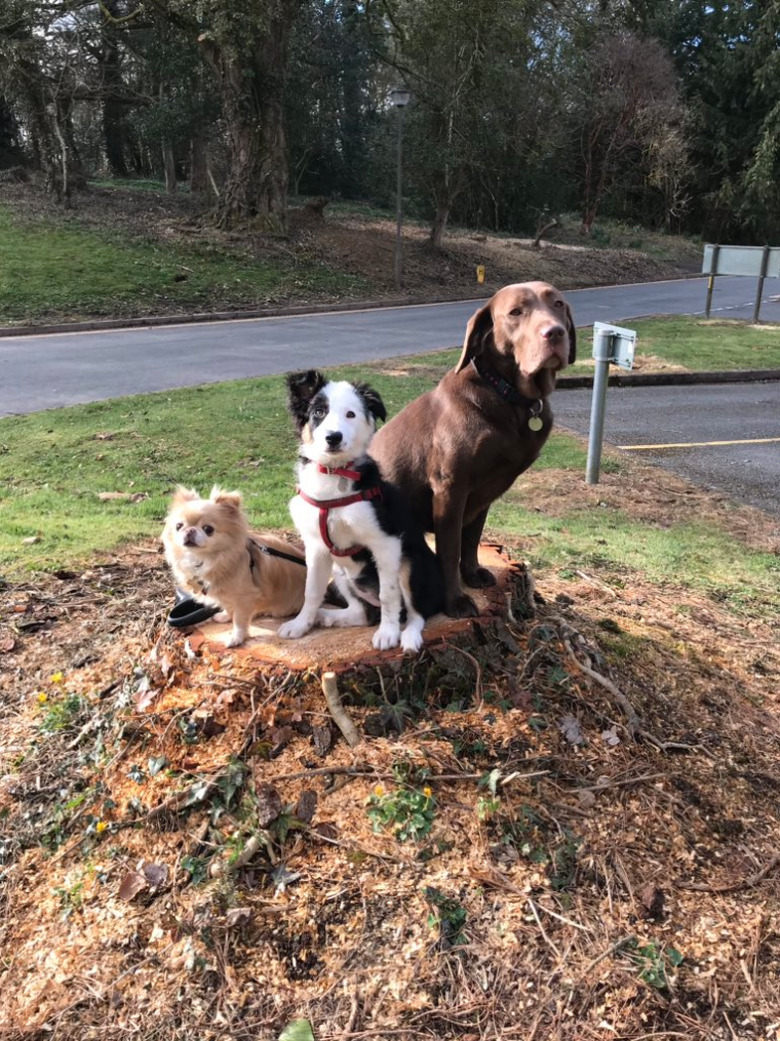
<point x="379" y="791"/>
<point x="100" y="826"/>
<point x="57" y="677"/>
<point x="427" y="792"/>
<point x="42" y="696"/>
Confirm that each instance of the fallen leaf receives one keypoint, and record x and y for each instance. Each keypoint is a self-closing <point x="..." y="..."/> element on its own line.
<point x="586" y="799"/>
<point x="571" y="730"/>
<point x="131" y="885"/>
<point x="225" y="697"/>
<point x="283" y="877"/>
<point x="281" y="737"/>
<point x="268" y="804"/>
<point x="307" y="806"/>
<point x="238" y="916"/>
<point x="297" y="1030"/>
<point x="326" y="830"/>
<point x="31" y="540"/>
<point x="610" y="736"/>
<point x="156" y="763"/>
<point x="155" y="874"/>
<point x="322" y="739"/>
<point x="652" y="900"/>
<point x="112" y="496"/>
<point x="7" y="644"/>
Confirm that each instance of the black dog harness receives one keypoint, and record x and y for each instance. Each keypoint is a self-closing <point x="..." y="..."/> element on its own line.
<point x="271" y="552"/>
<point x="250" y="545"/>
<point x="326" y="505"/>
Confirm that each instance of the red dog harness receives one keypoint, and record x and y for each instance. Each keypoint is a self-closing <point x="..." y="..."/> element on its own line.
<point x="326" y="505"/>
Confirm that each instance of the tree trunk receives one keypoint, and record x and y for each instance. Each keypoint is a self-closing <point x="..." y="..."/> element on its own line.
<point x="440" y="224"/>
<point x="199" y="178"/>
<point x="113" y="111"/>
<point x="274" y="174"/>
<point x="251" y="83"/>
<point x="169" y="165"/>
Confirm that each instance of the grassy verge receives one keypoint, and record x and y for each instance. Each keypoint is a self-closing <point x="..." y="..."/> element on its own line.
<point x="687" y="343"/>
<point x="700" y="345"/>
<point x="66" y="272"/>
<point x="55" y="466"/>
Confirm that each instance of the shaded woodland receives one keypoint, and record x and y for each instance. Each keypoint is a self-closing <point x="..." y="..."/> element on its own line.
<point x="662" y="113"/>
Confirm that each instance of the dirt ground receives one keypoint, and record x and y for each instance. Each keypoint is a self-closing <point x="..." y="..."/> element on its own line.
<point x="190" y="850"/>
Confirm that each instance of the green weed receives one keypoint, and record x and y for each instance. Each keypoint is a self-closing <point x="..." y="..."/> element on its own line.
<point x="655" y="963"/>
<point x="409" y="809"/>
<point x="448" y="916"/>
<point x="62" y="713"/>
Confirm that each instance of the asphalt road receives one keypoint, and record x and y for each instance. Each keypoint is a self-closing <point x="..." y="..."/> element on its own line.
<point x="736" y="413"/>
<point x="40" y="372"/>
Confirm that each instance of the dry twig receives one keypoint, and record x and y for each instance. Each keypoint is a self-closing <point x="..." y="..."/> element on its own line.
<point x="340" y="715"/>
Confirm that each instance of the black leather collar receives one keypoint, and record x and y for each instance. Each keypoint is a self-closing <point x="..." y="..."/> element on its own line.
<point x="506" y="391"/>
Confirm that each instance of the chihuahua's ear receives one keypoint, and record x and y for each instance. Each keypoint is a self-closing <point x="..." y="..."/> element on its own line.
<point x="372" y="402"/>
<point x="230" y="499"/>
<point x="477" y="331"/>
<point x="301" y="388"/>
<point x="182" y="495"/>
<point x="572" y="335"/>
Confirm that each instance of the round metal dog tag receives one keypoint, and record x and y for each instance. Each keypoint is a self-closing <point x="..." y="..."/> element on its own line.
<point x="535" y="423"/>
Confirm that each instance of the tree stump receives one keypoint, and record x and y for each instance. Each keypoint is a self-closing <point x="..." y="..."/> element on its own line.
<point x="347" y="650"/>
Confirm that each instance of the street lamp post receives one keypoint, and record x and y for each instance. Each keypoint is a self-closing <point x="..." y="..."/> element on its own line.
<point x="399" y="99"/>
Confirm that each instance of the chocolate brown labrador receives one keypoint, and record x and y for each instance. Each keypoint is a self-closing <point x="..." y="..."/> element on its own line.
<point x="459" y="447"/>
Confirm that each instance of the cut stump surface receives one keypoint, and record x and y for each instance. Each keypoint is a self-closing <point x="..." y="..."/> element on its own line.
<point x="340" y="649"/>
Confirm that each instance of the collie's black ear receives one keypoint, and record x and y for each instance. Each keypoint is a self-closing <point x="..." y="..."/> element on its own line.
<point x="373" y="403"/>
<point x="301" y="388"/>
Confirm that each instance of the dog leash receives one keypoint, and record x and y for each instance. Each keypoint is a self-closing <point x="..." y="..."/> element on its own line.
<point x="511" y="395"/>
<point x="271" y="552"/>
<point x="326" y="505"/>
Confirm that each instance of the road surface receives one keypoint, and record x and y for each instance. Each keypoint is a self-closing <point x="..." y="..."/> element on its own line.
<point x="40" y="372"/>
<point x="678" y="428"/>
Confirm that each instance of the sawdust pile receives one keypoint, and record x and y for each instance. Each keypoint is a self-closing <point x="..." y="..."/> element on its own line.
<point x="565" y="828"/>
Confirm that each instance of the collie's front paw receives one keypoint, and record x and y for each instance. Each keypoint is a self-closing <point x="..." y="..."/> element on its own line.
<point x="327" y="617"/>
<point x="411" y="639"/>
<point x="386" y="636"/>
<point x="236" y="638"/>
<point x="295" y="629"/>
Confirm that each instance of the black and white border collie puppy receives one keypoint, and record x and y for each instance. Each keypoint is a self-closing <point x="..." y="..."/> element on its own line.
<point x="353" y="524"/>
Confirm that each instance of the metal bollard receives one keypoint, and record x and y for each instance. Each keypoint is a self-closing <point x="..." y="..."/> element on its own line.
<point x="602" y="353"/>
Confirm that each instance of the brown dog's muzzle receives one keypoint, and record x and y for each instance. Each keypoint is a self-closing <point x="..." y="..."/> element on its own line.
<point x="546" y="348"/>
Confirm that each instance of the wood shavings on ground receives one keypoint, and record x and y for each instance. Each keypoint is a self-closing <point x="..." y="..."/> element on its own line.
<point x="190" y="850"/>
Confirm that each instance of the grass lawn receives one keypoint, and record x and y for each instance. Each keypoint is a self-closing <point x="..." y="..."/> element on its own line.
<point x="692" y="343"/>
<point x="55" y="465"/>
<point x="701" y="344"/>
<point x="67" y="271"/>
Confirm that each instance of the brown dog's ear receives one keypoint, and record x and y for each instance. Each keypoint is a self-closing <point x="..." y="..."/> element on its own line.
<point x="301" y="388"/>
<point x="572" y="335"/>
<point x="480" y="326"/>
<point x="230" y="499"/>
<point x="182" y="495"/>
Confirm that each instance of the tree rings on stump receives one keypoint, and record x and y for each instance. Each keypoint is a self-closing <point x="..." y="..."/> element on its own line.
<point x="341" y="649"/>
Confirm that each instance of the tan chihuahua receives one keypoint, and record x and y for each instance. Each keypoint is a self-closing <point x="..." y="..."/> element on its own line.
<point x="215" y="557"/>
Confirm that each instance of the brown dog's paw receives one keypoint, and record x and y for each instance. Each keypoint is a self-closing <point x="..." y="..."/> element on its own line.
<point x="479" y="578"/>
<point x="462" y="607"/>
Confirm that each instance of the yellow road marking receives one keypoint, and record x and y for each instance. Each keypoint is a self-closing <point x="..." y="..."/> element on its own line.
<point x="699" y="444"/>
